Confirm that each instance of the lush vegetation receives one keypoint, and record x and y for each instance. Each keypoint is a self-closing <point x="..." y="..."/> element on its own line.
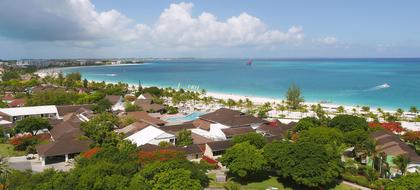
<point x="116" y="165"/>
<point x="294" y="97"/>
<point x="32" y="125"/>
<point x="183" y="138"/>
<point x="7" y="150"/>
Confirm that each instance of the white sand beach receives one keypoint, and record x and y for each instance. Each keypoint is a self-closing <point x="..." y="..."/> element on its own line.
<point x="225" y="96"/>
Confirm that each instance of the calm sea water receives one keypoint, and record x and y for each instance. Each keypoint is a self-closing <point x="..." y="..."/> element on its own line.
<point x="386" y="83"/>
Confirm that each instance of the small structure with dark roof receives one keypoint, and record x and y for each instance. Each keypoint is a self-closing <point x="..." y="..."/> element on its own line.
<point x="17" y="103"/>
<point x="231" y="132"/>
<point x="216" y="148"/>
<point x="275" y="128"/>
<point x="392" y="146"/>
<point x="178" y="127"/>
<point x="145" y="96"/>
<point x="116" y="101"/>
<point x="145" y="117"/>
<point x="66" y="141"/>
<point x="232" y="118"/>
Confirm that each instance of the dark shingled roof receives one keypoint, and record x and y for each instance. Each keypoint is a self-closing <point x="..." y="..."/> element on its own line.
<point x="202" y="124"/>
<point x="113" y="98"/>
<point x="392" y="145"/>
<point x="68" y="109"/>
<point x="140" y="102"/>
<point x="191" y="149"/>
<point x="134" y="128"/>
<point x="145" y="117"/>
<point x="179" y="127"/>
<point x="62" y="147"/>
<point x="198" y="139"/>
<point x="149" y="147"/>
<point x="275" y="128"/>
<point x="220" y="145"/>
<point x="65" y="130"/>
<point x="231" y="118"/>
<point x="230" y="132"/>
<point x="148" y="96"/>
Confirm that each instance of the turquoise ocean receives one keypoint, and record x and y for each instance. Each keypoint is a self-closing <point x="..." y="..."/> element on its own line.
<point x="385" y="83"/>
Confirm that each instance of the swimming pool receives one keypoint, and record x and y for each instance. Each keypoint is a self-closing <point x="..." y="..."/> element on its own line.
<point x="188" y="117"/>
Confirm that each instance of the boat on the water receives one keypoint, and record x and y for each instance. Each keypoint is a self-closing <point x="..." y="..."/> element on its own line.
<point x="249" y="62"/>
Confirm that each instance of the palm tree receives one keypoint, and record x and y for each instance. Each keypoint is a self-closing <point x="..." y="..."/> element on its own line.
<point x="365" y="109"/>
<point x="248" y="104"/>
<point x="371" y="175"/>
<point x="230" y="103"/>
<point x="340" y="109"/>
<point x="401" y="161"/>
<point x="413" y="109"/>
<point x="354" y="111"/>
<point x="240" y="103"/>
<point x="399" y="112"/>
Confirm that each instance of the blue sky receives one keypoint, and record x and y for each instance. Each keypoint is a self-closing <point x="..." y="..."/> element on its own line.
<point x="269" y="29"/>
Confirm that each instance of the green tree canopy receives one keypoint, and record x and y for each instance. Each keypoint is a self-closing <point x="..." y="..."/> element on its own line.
<point x="307" y="163"/>
<point x="100" y="128"/>
<point x="348" y="123"/>
<point x="183" y="138"/>
<point x="177" y="179"/>
<point x="306" y="123"/>
<point x="102" y="106"/>
<point x="52" y="97"/>
<point x="32" y="125"/>
<point x="10" y="75"/>
<point x="72" y="79"/>
<point x="401" y="161"/>
<point x="407" y="182"/>
<point x="294" y="97"/>
<point x="197" y="171"/>
<point x="255" y="139"/>
<point x="244" y="160"/>
<point x="323" y="136"/>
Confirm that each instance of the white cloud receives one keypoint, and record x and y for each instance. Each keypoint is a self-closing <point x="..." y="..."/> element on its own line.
<point x="176" y="26"/>
<point x="329" y="40"/>
<point x="80" y="22"/>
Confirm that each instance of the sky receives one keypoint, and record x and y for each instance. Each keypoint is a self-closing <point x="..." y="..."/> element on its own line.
<point x="209" y="29"/>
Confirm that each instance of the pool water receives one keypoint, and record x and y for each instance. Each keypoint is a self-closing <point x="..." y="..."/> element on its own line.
<point x="188" y="117"/>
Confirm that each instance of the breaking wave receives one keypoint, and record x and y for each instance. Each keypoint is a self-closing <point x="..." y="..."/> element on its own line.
<point x="108" y="75"/>
<point x="379" y="87"/>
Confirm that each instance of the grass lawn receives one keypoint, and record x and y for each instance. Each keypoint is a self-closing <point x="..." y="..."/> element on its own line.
<point x="270" y="182"/>
<point x="6" y="150"/>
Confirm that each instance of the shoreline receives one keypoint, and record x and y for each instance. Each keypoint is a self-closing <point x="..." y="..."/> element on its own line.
<point x="258" y="100"/>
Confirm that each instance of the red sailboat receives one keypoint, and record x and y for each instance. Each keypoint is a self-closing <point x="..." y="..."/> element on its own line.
<point x="249" y="62"/>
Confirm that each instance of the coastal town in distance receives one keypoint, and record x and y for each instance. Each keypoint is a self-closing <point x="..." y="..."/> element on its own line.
<point x="100" y="99"/>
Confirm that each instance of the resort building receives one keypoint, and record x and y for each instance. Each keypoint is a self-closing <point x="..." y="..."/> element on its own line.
<point x="225" y="123"/>
<point x="142" y="133"/>
<point x="275" y="128"/>
<point x="142" y="116"/>
<point x="215" y="149"/>
<point x="12" y="115"/>
<point x="65" y="142"/>
<point x="145" y="103"/>
<point x="145" y="96"/>
<point x="392" y="146"/>
<point x="117" y="102"/>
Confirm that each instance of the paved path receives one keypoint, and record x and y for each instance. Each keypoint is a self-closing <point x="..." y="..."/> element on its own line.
<point x="355" y="185"/>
